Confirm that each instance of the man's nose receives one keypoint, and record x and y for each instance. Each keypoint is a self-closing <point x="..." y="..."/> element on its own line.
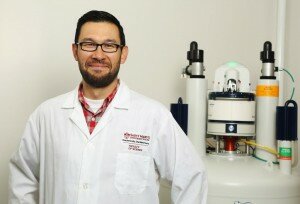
<point x="99" y="54"/>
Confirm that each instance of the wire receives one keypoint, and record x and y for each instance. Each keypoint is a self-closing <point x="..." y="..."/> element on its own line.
<point x="253" y="149"/>
<point x="256" y="157"/>
<point x="291" y="76"/>
<point x="209" y="144"/>
<point x="238" y="202"/>
<point x="268" y="149"/>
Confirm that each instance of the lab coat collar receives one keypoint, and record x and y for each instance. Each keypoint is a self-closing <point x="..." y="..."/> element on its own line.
<point x="120" y="101"/>
<point x="122" y="97"/>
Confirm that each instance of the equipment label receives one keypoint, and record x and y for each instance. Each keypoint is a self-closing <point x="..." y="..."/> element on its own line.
<point x="267" y="90"/>
<point x="285" y="153"/>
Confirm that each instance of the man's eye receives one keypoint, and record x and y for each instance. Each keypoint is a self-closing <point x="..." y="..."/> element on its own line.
<point x="109" y="46"/>
<point x="89" y="44"/>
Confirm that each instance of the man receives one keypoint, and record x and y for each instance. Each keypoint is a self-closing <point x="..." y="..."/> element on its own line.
<point x="102" y="142"/>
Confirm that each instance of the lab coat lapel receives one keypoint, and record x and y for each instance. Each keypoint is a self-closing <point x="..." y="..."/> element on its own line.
<point x="119" y="103"/>
<point x="106" y="118"/>
<point x="78" y="118"/>
<point x="77" y="113"/>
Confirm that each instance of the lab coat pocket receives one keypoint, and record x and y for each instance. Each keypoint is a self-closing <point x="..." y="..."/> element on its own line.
<point x="131" y="173"/>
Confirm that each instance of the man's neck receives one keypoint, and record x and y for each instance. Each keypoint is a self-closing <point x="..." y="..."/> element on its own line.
<point x="98" y="93"/>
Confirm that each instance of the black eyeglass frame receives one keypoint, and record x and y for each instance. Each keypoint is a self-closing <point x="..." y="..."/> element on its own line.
<point x="97" y="45"/>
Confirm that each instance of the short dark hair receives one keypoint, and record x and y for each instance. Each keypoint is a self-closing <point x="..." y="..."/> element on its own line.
<point x="99" y="16"/>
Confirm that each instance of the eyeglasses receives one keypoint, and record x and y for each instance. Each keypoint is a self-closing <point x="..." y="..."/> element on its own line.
<point x="105" y="47"/>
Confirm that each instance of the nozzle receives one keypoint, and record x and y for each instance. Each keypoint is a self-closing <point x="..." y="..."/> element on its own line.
<point x="194" y="55"/>
<point x="180" y="100"/>
<point x="194" y="46"/>
<point x="267" y="55"/>
<point x="267" y="58"/>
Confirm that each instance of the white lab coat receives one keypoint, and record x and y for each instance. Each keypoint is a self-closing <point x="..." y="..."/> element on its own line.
<point x="135" y="143"/>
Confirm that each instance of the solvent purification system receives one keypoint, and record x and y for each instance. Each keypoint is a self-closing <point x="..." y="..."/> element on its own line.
<point x="248" y="142"/>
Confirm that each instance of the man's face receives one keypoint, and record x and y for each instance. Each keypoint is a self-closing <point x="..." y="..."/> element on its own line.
<point x="99" y="69"/>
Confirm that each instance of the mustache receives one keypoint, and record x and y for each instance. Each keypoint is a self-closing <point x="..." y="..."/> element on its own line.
<point x="100" y="62"/>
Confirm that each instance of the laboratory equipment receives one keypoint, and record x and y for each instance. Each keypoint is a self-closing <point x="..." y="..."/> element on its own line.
<point x="243" y="168"/>
<point x="267" y="93"/>
<point x="242" y="155"/>
<point x="179" y="111"/>
<point x="196" y="87"/>
<point x="286" y="135"/>
<point x="231" y="109"/>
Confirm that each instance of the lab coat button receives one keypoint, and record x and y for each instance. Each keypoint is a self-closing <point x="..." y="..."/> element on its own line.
<point x="85" y="186"/>
<point x="93" y="119"/>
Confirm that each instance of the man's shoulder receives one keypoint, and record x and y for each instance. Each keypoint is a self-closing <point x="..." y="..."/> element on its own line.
<point x="147" y="104"/>
<point x="59" y="100"/>
<point x="56" y="102"/>
<point x="138" y="101"/>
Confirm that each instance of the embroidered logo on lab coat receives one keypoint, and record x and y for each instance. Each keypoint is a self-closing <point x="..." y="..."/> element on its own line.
<point x="136" y="142"/>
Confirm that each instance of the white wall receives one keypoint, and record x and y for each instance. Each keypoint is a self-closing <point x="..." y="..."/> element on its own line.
<point x="36" y="59"/>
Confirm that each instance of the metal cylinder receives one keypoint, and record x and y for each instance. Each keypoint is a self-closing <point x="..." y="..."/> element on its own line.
<point x="285" y="157"/>
<point x="268" y="69"/>
<point x="267" y="92"/>
<point x="196" y="97"/>
<point x="196" y="69"/>
<point x="230" y="144"/>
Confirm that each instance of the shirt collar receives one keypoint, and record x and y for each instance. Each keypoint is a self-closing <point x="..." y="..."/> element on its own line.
<point x="107" y="100"/>
<point x="121" y="98"/>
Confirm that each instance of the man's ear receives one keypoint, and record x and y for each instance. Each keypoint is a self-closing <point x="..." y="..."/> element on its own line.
<point x="75" y="49"/>
<point x="124" y="54"/>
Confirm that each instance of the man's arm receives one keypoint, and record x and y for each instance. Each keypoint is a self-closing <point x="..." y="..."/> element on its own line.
<point x="178" y="162"/>
<point x="24" y="168"/>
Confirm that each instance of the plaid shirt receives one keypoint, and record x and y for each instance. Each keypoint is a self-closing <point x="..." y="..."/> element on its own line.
<point x="93" y="118"/>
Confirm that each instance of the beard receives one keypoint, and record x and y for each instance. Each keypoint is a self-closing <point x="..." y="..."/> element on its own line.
<point x="99" y="81"/>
